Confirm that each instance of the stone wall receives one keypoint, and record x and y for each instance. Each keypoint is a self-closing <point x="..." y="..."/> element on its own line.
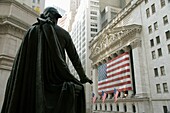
<point x="15" y="19"/>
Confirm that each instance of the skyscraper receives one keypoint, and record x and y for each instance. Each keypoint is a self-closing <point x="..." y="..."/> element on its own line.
<point x="86" y="25"/>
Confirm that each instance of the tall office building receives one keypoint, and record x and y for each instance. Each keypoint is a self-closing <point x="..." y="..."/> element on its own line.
<point x="131" y="57"/>
<point x="86" y="25"/>
<point x="37" y="5"/>
<point x="72" y="11"/>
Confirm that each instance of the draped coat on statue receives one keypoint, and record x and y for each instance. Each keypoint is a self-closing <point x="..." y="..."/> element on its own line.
<point x="40" y="81"/>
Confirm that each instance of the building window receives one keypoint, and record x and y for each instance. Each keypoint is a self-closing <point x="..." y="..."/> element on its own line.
<point x="162" y="3"/>
<point x="125" y="108"/>
<point x="94" y="3"/>
<point x="117" y="107"/>
<point x="151" y="42"/>
<point x="167" y="35"/>
<point x="155" y="26"/>
<point x="165" y="20"/>
<point x="147" y="13"/>
<point x="153" y="55"/>
<point x="165" y="108"/>
<point x="92" y="35"/>
<point x="93" y="17"/>
<point x="158" y="40"/>
<point x="146" y="1"/>
<point x="105" y="107"/>
<point x="159" y="52"/>
<point x="33" y="1"/>
<point x="162" y="69"/>
<point x="165" y="87"/>
<point x="158" y="88"/>
<point x="111" y="108"/>
<point x="93" y="12"/>
<point x="38" y="1"/>
<point x="153" y="8"/>
<point x="93" y="29"/>
<point x="134" y="108"/>
<point x="156" y="72"/>
<point x="150" y="29"/>
<point x="93" y="24"/>
<point x="168" y="48"/>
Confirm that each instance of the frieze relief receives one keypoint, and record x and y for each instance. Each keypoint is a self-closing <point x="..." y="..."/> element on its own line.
<point x="113" y="40"/>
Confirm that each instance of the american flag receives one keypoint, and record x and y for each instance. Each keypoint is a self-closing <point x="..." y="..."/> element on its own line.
<point x="116" y="92"/>
<point x="94" y="98"/>
<point x="115" y="74"/>
<point x="103" y="96"/>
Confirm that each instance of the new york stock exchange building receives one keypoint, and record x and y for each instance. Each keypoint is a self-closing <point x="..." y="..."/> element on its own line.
<point x="130" y="63"/>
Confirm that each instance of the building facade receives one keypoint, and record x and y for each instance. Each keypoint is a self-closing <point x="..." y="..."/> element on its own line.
<point x="142" y="31"/>
<point x="85" y="26"/>
<point x="37" y="5"/>
<point x="14" y="23"/>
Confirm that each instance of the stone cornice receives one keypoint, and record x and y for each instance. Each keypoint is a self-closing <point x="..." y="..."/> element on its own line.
<point x="113" y="40"/>
<point x="124" y="100"/>
<point x="14" y="22"/>
<point x="6" y="62"/>
<point x="16" y="13"/>
<point x="16" y="18"/>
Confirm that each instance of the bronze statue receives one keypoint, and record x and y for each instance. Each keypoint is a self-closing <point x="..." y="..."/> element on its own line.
<point x="40" y="81"/>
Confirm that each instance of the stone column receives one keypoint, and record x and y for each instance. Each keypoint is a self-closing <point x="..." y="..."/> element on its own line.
<point x="95" y="80"/>
<point x="129" y="107"/>
<point x="139" y="72"/>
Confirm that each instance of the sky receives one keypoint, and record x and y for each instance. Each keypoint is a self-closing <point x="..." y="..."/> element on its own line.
<point x="60" y="3"/>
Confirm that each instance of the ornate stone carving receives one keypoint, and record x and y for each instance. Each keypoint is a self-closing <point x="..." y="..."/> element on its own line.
<point x="113" y="40"/>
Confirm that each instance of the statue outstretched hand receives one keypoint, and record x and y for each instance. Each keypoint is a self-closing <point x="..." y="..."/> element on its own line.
<point x="85" y="80"/>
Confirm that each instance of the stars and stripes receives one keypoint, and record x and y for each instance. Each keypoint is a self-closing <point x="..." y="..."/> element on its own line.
<point x="103" y="96"/>
<point x="115" y="74"/>
<point x="116" y="93"/>
<point x="94" y="98"/>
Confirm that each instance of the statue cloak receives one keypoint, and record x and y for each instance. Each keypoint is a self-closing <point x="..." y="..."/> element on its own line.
<point x="40" y="81"/>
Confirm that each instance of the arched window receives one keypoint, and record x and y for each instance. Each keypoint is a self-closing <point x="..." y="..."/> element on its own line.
<point x="134" y="108"/>
<point x="111" y="108"/>
<point x="125" y="108"/>
<point x="96" y="107"/>
<point x="105" y="107"/>
<point x="117" y="106"/>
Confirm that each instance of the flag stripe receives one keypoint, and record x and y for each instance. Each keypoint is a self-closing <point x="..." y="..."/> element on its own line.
<point x="121" y="89"/>
<point x="118" y="73"/>
<point x="116" y="79"/>
<point x="119" y="67"/>
<point x="116" y="63"/>
<point x="115" y="85"/>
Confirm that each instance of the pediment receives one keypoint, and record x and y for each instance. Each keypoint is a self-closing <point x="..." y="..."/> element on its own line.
<point x="112" y="36"/>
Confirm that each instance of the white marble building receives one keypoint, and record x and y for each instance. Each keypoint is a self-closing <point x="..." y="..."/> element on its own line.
<point x="142" y="28"/>
<point x="15" y="19"/>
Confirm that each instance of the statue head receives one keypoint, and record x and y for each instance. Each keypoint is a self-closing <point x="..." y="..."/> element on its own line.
<point x="52" y="13"/>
